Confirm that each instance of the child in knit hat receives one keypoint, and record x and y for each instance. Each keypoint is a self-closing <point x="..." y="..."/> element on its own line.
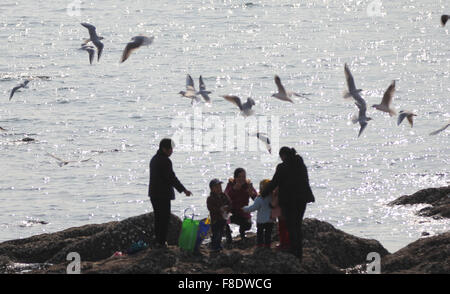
<point x="264" y="221"/>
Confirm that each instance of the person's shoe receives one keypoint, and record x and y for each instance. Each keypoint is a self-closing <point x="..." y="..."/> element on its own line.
<point x="282" y="247"/>
<point x="158" y="245"/>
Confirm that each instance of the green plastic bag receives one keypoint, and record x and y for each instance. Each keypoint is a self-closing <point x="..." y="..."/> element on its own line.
<point x="188" y="236"/>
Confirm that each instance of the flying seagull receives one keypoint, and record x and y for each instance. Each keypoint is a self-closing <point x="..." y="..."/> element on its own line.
<point x="282" y="94"/>
<point x="23" y="85"/>
<point x="440" y="130"/>
<point x="408" y="114"/>
<point x="246" y="108"/>
<point x="203" y="91"/>
<point x="62" y="162"/>
<point x="444" y="19"/>
<point x="386" y="101"/>
<point x="2" y="129"/>
<point x="359" y="101"/>
<point x="94" y="39"/>
<point x="137" y="42"/>
<point x="91" y="52"/>
<point x="190" y="90"/>
<point x="265" y="140"/>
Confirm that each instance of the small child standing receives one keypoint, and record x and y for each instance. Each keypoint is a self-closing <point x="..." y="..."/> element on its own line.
<point x="282" y="228"/>
<point x="218" y="205"/>
<point x="264" y="221"/>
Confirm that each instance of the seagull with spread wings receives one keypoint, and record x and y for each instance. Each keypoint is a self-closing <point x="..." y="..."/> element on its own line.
<point x="136" y="42"/>
<point x="94" y="38"/>
<point x="62" y="162"/>
<point x="359" y="101"/>
<point x="440" y="130"/>
<point x="245" y="108"/>
<point x="282" y="94"/>
<point x="265" y="140"/>
<point x="23" y="85"/>
<point x="190" y="90"/>
<point x="385" y="104"/>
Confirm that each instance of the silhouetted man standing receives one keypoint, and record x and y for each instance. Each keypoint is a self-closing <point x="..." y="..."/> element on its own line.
<point x="160" y="190"/>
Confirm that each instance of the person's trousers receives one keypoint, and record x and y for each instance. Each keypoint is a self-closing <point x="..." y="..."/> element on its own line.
<point x="161" y="210"/>
<point x="283" y="233"/>
<point x="264" y="233"/>
<point x="244" y="224"/>
<point x="217" y="229"/>
<point x="293" y="213"/>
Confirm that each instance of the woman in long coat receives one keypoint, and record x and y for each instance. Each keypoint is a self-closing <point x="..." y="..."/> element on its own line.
<point x="291" y="178"/>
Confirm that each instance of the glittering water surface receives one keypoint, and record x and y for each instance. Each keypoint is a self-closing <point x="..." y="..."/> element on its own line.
<point x="115" y="114"/>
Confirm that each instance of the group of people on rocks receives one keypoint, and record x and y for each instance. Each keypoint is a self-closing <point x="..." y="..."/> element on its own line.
<point x="283" y="198"/>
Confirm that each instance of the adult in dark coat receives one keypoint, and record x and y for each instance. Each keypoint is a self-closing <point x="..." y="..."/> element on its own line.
<point x="161" y="189"/>
<point x="291" y="178"/>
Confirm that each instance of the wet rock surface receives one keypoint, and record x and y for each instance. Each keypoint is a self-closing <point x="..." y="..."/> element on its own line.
<point x="438" y="198"/>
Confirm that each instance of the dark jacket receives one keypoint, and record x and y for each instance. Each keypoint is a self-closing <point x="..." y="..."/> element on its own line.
<point x="292" y="179"/>
<point x="215" y="204"/>
<point x="162" y="177"/>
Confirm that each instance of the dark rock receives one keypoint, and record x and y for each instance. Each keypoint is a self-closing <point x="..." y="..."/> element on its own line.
<point x="145" y="262"/>
<point x="4" y="263"/>
<point x="92" y="242"/>
<point x="326" y="250"/>
<point x="264" y="261"/>
<point x="342" y="249"/>
<point x="429" y="255"/>
<point x="439" y="198"/>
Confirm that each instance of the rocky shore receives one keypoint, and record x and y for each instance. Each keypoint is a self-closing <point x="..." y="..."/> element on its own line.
<point x="438" y="198"/>
<point x="327" y="250"/>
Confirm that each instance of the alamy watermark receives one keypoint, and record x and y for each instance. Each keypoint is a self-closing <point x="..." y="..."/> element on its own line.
<point x="199" y="132"/>
<point x="74" y="266"/>
<point x="375" y="266"/>
<point x="74" y="8"/>
<point x="374" y="9"/>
